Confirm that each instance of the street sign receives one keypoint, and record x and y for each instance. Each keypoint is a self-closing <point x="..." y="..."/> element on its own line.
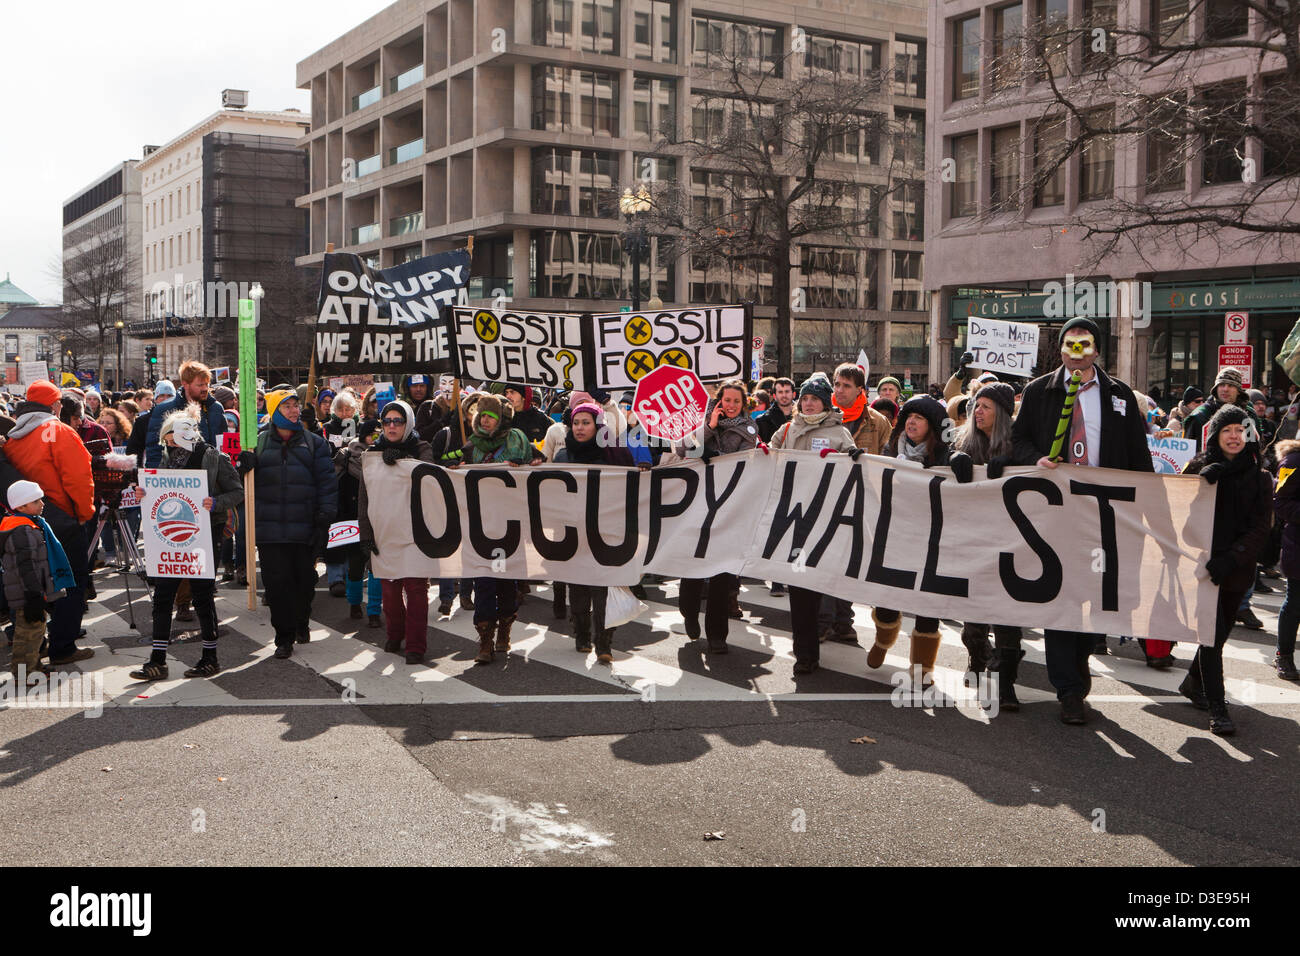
<point x="1240" y="357"/>
<point x="670" y="402"/>
<point x="758" y="343"/>
<point x="1236" y="325"/>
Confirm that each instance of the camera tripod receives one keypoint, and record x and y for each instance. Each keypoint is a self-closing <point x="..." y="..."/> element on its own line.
<point x="133" y="563"/>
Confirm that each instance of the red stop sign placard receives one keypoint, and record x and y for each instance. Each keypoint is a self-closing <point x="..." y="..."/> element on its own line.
<point x="670" y="402"/>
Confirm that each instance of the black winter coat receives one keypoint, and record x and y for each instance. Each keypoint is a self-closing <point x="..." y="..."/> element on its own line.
<point x="1286" y="502"/>
<point x="1123" y="433"/>
<point x="296" y="493"/>
<point x="770" y="421"/>
<point x="1243" y="514"/>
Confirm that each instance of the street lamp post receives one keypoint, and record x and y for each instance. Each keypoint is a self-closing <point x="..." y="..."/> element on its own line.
<point x="118" y="326"/>
<point x="636" y="242"/>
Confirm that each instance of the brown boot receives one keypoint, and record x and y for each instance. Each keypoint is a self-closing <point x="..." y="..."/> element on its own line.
<point x="503" y="634"/>
<point x="925" y="650"/>
<point x="886" y="634"/>
<point x="485" y="629"/>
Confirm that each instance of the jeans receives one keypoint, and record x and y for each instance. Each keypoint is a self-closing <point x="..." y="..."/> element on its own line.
<point x="446" y="590"/>
<point x="924" y="625"/>
<point x="406" y="612"/>
<point x="495" y="598"/>
<point x="289" y="576"/>
<point x="835" y="614"/>
<point x="335" y="571"/>
<point x="1287" y="619"/>
<point x="1245" y="601"/>
<point x="1067" y="661"/>
<point x="587" y="607"/>
<point x="65" y="622"/>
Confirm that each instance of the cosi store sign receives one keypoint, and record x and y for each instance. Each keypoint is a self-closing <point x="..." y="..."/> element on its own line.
<point x="1167" y="299"/>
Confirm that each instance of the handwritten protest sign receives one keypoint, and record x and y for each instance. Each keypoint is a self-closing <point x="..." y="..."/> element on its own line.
<point x="497" y="345"/>
<point x="1010" y="347"/>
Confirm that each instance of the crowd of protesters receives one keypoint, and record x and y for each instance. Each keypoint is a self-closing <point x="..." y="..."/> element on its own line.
<point x="307" y="473"/>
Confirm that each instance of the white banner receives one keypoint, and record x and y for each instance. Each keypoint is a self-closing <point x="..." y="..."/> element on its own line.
<point x="177" y="529"/>
<point x="1010" y="347"/>
<point x="1080" y="549"/>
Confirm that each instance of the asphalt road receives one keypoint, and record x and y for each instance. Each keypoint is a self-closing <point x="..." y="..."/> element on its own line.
<point x="345" y="755"/>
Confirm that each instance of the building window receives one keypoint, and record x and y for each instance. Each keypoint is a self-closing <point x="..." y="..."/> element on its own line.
<point x="966" y="47"/>
<point x="1166" y="163"/>
<point x="719" y="43"/>
<point x="909" y="145"/>
<point x="1227" y="18"/>
<point x="1168" y="22"/>
<point x="847" y="57"/>
<point x="573" y="182"/>
<point x="909" y="67"/>
<point x="1004" y="169"/>
<point x="717" y="116"/>
<point x="654" y="31"/>
<point x="1049" y="166"/>
<point x="836" y="279"/>
<point x="1007" y="68"/>
<point x="654" y="107"/>
<point x="595" y="30"/>
<point x="909" y="211"/>
<point x="720" y="281"/>
<point x="1224" y="139"/>
<point x="1097" y="159"/>
<point x="590" y="265"/>
<point x="189" y="246"/>
<point x="1278" y="140"/>
<point x="1053" y="27"/>
<point x="556" y="90"/>
<point x="187" y="200"/>
<point x="654" y="169"/>
<point x="965" y="152"/>
<point x="1099" y="15"/>
<point x="907" y="265"/>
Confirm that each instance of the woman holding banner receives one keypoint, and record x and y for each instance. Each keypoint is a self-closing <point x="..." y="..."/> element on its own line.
<point x="347" y="465"/>
<point x="986" y="440"/>
<point x="727" y="429"/>
<point x="492" y="440"/>
<point x="918" y="437"/>
<point x="816" y="425"/>
<point x="183" y="447"/>
<point x="581" y="447"/>
<point x="1243" y="511"/>
<point x="406" y="600"/>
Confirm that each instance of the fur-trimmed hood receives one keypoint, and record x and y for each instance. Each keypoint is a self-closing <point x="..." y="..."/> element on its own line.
<point x="493" y="403"/>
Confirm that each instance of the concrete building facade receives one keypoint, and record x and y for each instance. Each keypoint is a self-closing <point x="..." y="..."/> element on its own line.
<point x="218" y="214"/>
<point x="517" y="122"/>
<point x="104" y="220"/>
<point x="993" y="244"/>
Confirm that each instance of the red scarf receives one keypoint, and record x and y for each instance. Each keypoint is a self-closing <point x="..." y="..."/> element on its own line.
<point x="854" y="411"/>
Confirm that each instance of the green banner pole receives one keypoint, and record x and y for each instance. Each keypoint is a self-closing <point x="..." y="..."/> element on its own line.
<point x="248" y="431"/>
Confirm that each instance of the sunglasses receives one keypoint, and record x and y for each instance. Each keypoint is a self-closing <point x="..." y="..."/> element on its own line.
<point x="394" y="421"/>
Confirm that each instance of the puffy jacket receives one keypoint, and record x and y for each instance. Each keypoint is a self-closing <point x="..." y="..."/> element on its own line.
<point x="1242" y="517"/>
<point x="50" y="453"/>
<point x="212" y="424"/>
<point x="801" y="435"/>
<point x="771" y="420"/>
<point x="1286" y="502"/>
<point x="740" y="434"/>
<point x="24" y="561"/>
<point x="295" y="490"/>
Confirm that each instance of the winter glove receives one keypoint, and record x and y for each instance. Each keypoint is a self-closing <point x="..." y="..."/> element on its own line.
<point x="369" y="547"/>
<point x="962" y="469"/>
<point x="1213" y="471"/>
<point x="1219" y="567"/>
<point x="247" y="460"/>
<point x="996" y="466"/>
<point x="33" y="607"/>
<point x="454" y="457"/>
<point x="763" y="447"/>
<point x="966" y="359"/>
<point x="855" y="452"/>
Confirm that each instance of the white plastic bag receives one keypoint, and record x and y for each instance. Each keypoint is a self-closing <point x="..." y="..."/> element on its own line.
<point x="621" y="606"/>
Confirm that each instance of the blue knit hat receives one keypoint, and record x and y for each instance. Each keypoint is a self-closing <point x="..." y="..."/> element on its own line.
<point x="819" y="385"/>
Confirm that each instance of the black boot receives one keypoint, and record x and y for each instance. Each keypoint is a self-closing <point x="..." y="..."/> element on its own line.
<point x="1191" y="688"/>
<point x="1008" y="667"/>
<point x="979" y="650"/>
<point x="1285" y="664"/>
<point x="581" y="632"/>
<point x="1221" y="724"/>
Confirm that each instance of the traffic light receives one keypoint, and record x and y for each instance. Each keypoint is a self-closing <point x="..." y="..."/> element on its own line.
<point x="151" y="354"/>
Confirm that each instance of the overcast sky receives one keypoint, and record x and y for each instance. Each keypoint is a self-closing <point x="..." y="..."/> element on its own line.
<point x="83" y="85"/>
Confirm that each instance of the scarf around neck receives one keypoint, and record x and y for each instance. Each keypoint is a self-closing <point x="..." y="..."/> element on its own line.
<point x="909" y="452"/>
<point x="854" y="411"/>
